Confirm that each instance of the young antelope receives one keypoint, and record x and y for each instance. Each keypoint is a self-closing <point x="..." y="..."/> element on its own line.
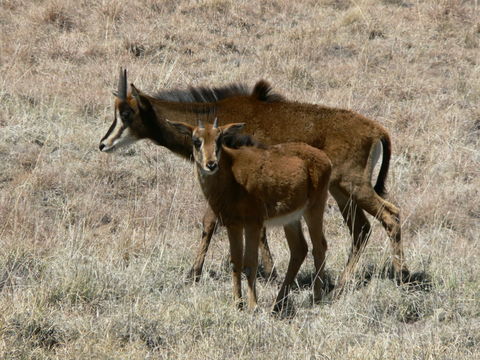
<point x="250" y="187"/>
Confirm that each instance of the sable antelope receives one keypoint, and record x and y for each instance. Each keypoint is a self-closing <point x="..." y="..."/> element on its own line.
<point x="253" y="186"/>
<point x="351" y="141"/>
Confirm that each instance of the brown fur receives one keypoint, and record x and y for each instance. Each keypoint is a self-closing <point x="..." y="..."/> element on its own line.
<point x="246" y="187"/>
<point x="346" y="137"/>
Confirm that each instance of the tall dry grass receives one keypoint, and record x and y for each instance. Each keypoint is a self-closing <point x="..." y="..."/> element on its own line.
<point x="94" y="247"/>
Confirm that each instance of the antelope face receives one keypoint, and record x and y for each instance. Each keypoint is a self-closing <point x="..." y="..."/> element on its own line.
<point x="207" y="142"/>
<point x="127" y="125"/>
<point x="207" y="147"/>
<point x="120" y="133"/>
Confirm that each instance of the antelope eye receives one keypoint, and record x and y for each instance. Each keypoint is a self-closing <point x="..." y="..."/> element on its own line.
<point x="126" y="117"/>
<point x="197" y="143"/>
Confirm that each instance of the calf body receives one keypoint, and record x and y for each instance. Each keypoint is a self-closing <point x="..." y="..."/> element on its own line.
<point x="250" y="187"/>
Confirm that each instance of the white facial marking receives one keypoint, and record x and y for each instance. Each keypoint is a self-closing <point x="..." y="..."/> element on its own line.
<point x="120" y="136"/>
<point x="124" y="140"/>
<point x="206" y="171"/>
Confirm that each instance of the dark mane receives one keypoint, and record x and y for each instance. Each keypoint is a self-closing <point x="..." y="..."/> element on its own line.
<point x="262" y="91"/>
<point x="235" y="141"/>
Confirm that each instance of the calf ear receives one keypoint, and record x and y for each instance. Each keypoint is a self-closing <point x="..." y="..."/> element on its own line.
<point x="182" y="128"/>
<point x="232" y="129"/>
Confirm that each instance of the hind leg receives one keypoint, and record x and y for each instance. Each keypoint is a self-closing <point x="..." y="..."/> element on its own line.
<point x="250" y="261"/>
<point x="314" y="219"/>
<point x="359" y="227"/>
<point x="235" y="237"/>
<point x="389" y="216"/>
<point x="266" y="255"/>
<point x="298" y="251"/>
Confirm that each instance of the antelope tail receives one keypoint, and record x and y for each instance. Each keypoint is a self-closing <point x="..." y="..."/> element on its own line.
<point x="382" y="175"/>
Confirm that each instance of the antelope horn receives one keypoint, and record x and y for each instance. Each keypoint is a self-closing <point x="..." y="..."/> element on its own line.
<point x="215" y="123"/>
<point x="200" y="124"/>
<point x="122" y="85"/>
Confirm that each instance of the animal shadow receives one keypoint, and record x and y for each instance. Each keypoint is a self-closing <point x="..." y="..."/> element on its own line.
<point x="416" y="281"/>
<point x="224" y="273"/>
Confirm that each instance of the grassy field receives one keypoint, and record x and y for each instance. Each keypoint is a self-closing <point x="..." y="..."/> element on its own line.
<point x="95" y="247"/>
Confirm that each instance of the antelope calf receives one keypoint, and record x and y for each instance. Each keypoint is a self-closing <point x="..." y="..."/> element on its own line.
<point x="249" y="187"/>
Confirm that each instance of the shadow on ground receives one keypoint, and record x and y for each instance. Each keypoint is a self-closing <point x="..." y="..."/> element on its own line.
<point x="416" y="281"/>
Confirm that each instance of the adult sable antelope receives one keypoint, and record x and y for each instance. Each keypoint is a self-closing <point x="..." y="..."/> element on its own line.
<point x="351" y="141"/>
<point x="253" y="186"/>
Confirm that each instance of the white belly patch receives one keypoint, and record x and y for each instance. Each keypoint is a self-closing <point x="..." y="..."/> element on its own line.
<point x="285" y="219"/>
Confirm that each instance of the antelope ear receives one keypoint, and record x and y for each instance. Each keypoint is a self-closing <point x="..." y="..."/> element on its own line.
<point x="139" y="98"/>
<point x="232" y="129"/>
<point x="182" y="128"/>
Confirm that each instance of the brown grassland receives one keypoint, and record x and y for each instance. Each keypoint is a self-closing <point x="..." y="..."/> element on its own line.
<point x="94" y="248"/>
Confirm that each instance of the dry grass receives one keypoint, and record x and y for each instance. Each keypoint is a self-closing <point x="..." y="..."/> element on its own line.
<point x="94" y="246"/>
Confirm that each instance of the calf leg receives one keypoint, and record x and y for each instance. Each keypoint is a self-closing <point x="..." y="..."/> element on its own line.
<point x="266" y="255"/>
<point x="250" y="261"/>
<point x="314" y="219"/>
<point x="298" y="252"/>
<point x="209" y="224"/>
<point x="235" y="237"/>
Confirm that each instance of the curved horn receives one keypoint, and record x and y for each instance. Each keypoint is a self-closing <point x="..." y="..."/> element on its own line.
<point x="215" y="123"/>
<point x="122" y="85"/>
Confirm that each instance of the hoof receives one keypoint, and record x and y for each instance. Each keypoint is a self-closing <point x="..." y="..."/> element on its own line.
<point x="404" y="277"/>
<point x="267" y="275"/>
<point x="336" y="293"/>
<point x="283" y="310"/>
<point x="193" y="276"/>
<point x="240" y="305"/>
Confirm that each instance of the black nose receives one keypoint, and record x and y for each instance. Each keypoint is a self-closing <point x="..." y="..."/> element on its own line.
<point x="101" y="146"/>
<point x="212" y="165"/>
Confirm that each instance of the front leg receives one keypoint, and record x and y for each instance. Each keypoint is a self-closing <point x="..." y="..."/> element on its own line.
<point x="235" y="237"/>
<point x="209" y="224"/>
